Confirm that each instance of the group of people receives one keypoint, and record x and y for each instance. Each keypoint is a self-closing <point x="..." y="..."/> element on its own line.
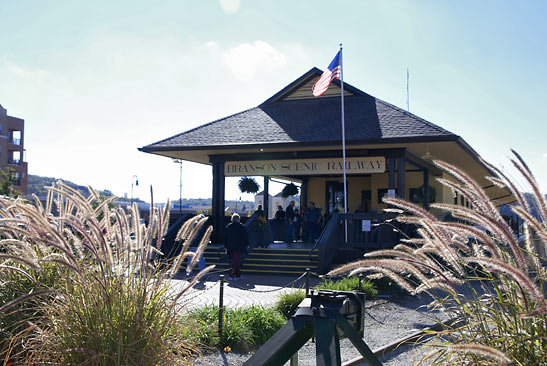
<point x="236" y="240"/>
<point x="292" y="221"/>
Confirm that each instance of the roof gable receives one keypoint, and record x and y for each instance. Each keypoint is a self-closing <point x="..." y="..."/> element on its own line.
<point x="304" y="92"/>
<point x="301" y="88"/>
<point x="293" y="115"/>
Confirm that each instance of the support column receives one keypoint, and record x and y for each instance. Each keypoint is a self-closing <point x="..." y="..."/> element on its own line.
<point x="391" y="166"/>
<point x="401" y="176"/>
<point x="218" y="202"/>
<point x="426" y="189"/>
<point x="266" y="191"/>
<point x="304" y="193"/>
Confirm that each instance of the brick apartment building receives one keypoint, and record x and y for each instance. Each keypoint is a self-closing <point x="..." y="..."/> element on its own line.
<point x="12" y="149"/>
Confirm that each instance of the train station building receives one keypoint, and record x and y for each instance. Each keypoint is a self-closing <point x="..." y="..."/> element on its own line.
<point x="297" y="137"/>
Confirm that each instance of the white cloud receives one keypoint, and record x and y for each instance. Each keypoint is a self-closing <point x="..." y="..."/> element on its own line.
<point x="88" y="109"/>
<point x="229" y="6"/>
<point x="545" y="155"/>
<point x="249" y="59"/>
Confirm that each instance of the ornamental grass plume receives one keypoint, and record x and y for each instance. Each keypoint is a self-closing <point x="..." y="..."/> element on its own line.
<point x="83" y="283"/>
<point x="503" y="276"/>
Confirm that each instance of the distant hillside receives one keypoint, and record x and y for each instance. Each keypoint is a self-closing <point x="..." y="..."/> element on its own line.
<point x="38" y="184"/>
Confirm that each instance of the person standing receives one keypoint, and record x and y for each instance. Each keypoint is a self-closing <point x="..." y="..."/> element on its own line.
<point x="259" y="224"/>
<point x="279" y="223"/>
<point x="259" y="211"/>
<point x="236" y="242"/>
<point x="289" y="222"/>
<point x="312" y="220"/>
<point x="280" y="214"/>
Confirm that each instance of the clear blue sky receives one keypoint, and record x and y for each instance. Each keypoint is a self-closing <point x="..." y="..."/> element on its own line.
<point x="94" y="80"/>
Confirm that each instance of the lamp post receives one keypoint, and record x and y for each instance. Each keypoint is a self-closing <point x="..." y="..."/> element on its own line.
<point x="135" y="180"/>
<point x="179" y="161"/>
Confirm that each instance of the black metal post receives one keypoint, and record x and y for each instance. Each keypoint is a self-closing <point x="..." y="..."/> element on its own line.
<point x="180" y="188"/>
<point x="401" y="170"/>
<point x="266" y="200"/>
<point x="426" y="189"/>
<point x="307" y="281"/>
<point x="221" y="307"/>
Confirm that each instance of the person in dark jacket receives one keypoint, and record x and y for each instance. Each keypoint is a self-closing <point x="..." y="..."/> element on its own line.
<point x="236" y="242"/>
<point x="289" y="222"/>
<point x="312" y="223"/>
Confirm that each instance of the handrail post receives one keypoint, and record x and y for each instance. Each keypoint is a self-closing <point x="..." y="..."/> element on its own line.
<point x="307" y="281"/>
<point x="221" y="307"/>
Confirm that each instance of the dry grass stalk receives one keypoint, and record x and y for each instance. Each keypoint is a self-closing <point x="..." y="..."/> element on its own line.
<point x="86" y="247"/>
<point x="506" y="312"/>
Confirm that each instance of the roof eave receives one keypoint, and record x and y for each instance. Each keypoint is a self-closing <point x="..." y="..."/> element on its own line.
<point x="392" y="140"/>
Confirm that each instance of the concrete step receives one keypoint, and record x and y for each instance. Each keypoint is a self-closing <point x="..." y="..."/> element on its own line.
<point x="266" y="260"/>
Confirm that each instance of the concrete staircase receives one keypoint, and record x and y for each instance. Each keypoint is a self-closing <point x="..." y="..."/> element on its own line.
<point x="274" y="261"/>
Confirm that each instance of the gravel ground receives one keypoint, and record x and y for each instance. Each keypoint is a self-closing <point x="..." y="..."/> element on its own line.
<point x="386" y="321"/>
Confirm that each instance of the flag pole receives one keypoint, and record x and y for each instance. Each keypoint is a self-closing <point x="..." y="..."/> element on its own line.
<point x="344" y="144"/>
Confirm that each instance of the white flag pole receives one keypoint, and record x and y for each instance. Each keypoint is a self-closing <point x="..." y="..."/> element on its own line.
<point x="344" y="145"/>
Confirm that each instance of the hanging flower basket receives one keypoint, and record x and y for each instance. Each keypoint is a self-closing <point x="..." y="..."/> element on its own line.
<point x="248" y="185"/>
<point x="289" y="190"/>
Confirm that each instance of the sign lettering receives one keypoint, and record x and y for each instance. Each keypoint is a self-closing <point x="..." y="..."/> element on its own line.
<point x="306" y="166"/>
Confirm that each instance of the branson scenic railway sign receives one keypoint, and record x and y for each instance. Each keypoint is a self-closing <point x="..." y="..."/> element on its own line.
<point x="305" y="166"/>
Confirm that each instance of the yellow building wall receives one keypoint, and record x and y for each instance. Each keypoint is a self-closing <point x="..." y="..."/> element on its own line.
<point x="316" y="192"/>
<point x="374" y="182"/>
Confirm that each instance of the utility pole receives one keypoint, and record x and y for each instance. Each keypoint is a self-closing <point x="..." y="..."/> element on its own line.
<point x="134" y="179"/>
<point x="179" y="161"/>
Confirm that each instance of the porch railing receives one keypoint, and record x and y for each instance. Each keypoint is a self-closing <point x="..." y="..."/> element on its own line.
<point x="364" y="232"/>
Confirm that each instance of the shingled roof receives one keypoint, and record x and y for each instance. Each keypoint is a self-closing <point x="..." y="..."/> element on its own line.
<point x="286" y="119"/>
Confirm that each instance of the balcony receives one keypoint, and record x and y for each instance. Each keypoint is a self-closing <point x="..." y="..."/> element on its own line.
<point x="13" y="161"/>
<point x="14" y="141"/>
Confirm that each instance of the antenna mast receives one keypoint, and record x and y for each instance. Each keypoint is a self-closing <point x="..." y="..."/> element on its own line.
<point x="407" y="92"/>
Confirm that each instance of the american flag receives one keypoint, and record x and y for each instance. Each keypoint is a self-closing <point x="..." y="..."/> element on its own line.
<point x="332" y="72"/>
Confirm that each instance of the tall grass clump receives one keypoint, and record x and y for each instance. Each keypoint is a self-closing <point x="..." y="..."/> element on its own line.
<point x="489" y="278"/>
<point x="83" y="283"/>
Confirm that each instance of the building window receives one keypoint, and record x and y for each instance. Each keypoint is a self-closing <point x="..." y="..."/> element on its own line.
<point x="382" y="192"/>
<point x="14" y="137"/>
<point x="15" y="157"/>
<point x="417" y="196"/>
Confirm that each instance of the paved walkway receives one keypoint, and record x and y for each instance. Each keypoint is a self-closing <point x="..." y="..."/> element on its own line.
<point x="252" y="290"/>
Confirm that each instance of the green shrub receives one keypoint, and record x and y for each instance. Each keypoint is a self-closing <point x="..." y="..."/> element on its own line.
<point x="264" y="322"/>
<point x="243" y="328"/>
<point x="288" y="302"/>
<point x="205" y="331"/>
<point x="349" y="284"/>
<point x="236" y="331"/>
